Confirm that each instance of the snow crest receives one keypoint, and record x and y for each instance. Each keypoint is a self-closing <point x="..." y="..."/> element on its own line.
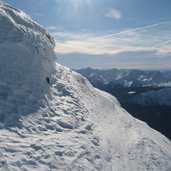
<point x="26" y="59"/>
<point x="65" y="124"/>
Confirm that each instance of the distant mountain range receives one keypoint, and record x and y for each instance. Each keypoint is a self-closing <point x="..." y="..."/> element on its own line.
<point x="144" y="94"/>
<point x="128" y="77"/>
<point x="152" y="98"/>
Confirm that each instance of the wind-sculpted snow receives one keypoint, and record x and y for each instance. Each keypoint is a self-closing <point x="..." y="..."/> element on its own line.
<point x="66" y="124"/>
<point x="26" y="59"/>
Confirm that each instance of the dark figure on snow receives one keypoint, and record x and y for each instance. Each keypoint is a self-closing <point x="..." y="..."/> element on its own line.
<point x="48" y="80"/>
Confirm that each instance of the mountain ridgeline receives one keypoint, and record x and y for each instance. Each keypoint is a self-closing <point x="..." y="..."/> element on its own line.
<point x="144" y="94"/>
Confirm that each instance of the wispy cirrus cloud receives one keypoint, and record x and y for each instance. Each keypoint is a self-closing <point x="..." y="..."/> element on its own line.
<point x="164" y="48"/>
<point x="113" y="13"/>
<point x="155" y="38"/>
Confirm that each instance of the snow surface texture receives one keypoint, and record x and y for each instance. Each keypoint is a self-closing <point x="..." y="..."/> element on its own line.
<point x="67" y="124"/>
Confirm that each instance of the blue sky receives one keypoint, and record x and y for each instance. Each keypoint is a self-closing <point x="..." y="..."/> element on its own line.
<point x="106" y="33"/>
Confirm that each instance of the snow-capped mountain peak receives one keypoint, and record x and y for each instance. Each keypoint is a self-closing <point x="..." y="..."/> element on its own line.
<point x="124" y="77"/>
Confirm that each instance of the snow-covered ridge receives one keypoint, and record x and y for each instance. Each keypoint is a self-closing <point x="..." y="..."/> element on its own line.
<point x="66" y="124"/>
<point x="17" y="26"/>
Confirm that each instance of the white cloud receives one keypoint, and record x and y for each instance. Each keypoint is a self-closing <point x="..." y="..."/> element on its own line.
<point x="152" y="39"/>
<point x="164" y="49"/>
<point x="113" y="13"/>
<point x="51" y="28"/>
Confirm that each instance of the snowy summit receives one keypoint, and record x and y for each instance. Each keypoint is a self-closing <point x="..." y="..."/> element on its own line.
<point x="52" y="118"/>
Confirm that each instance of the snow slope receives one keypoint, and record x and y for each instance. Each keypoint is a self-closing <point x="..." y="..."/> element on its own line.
<point x="152" y="98"/>
<point x="67" y="124"/>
